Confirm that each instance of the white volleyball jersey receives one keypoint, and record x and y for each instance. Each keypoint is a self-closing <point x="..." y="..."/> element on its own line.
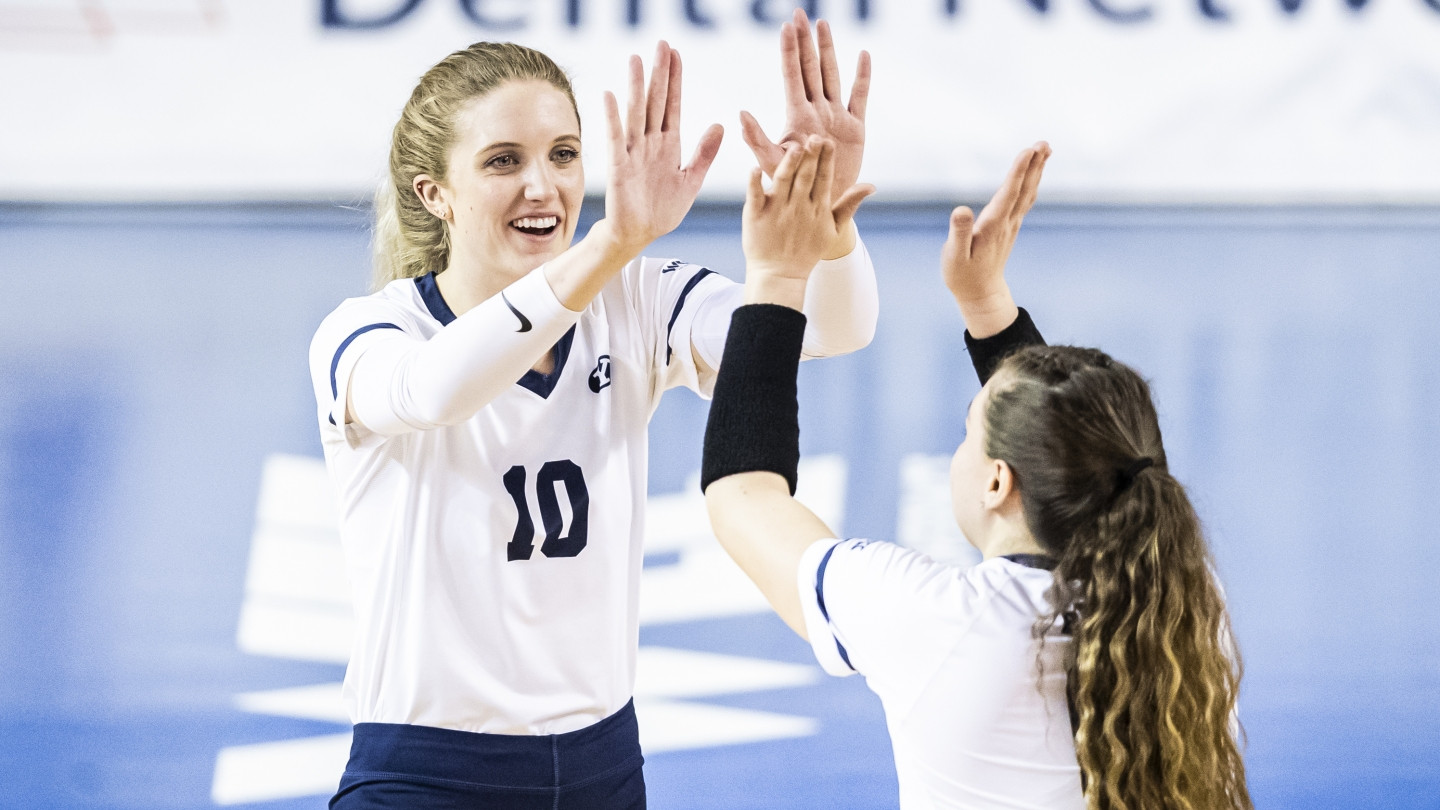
<point x="491" y="561"/>
<point x="952" y="655"/>
<point x="494" y="555"/>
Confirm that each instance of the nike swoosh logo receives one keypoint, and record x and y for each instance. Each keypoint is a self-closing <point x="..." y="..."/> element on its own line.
<point x="524" y="321"/>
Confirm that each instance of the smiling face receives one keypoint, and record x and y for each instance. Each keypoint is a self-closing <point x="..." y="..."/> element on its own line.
<point x="514" y="184"/>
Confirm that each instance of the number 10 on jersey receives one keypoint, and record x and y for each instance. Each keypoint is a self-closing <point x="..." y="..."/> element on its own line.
<point x="566" y="472"/>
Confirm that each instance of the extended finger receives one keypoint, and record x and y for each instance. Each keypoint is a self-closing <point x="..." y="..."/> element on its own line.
<point x="672" y="98"/>
<point x="785" y="173"/>
<point x="755" y="191"/>
<point x="824" y="173"/>
<point x="1030" y="187"/>
<point x="617" y="133"/>
<point x="829" y="68"/>
<point x="705" y="152"/>
<point x="1004" y="200"/>
<point x="844" y="208"/>
<point x="860" y="90"/>
<point x="806" y="172"/>
<point x="767" y="152"/>
<point x="809" y="61"/>
<point x="635" y="110"/>
<point x="659" y="88"/>
<point x="790" y="72"/>
<point x="962" y="230"/>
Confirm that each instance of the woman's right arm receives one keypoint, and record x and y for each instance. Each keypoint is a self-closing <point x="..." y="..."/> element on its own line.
<point x="647" y="192"/>
<point x="401" y="382"/>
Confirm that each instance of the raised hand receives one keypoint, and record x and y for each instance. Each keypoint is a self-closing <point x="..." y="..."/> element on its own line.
<point x="813" y="104"/>
<point x="785" y="230"/>
<point x="648" y="193"/>
<point x="972" y="263"/>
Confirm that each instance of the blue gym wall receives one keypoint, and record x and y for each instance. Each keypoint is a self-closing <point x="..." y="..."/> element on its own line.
<point x="152" y="358"/>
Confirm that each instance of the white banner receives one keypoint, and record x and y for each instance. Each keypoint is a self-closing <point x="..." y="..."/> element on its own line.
<point x="1143" y="100"/>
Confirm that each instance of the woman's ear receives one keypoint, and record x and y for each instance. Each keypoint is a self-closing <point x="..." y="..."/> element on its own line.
<point x="432" y="196"/>
<point x="1001" y="486"/>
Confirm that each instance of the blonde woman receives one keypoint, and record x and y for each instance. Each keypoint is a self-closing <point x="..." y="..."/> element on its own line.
<point x="484" y="416"/>
<point x="1083" y="663"/>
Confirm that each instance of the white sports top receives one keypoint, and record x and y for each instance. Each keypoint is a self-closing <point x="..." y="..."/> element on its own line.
<point x="953" y="657"/>
<point x="492" y="528"/>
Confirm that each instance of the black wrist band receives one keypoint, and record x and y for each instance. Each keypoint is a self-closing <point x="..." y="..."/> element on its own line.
<point x="986" y="353"/>
<point x="754" y="422"/>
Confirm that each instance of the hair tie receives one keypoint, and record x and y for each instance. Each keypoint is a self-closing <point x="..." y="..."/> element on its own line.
<point x="1127" y="475"/>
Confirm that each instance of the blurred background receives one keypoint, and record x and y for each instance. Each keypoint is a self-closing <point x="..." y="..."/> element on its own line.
<point x="1244" y="203"/>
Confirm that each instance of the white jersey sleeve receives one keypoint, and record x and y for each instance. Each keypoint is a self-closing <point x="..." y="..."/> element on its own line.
<point x="670" y="296"/>
<point x="374" y="355"/>
<point x="869" y="606"/>
<point x="841" y="307"/>
<point x="347" y="333"/>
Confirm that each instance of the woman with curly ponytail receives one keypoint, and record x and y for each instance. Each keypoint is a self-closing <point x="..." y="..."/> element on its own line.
<point x="1149" y="675"/>
<point x="1086" y="662"/>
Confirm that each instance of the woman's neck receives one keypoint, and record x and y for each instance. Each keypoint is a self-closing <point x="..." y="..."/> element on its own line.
<point x="465" y="287"/>
<point x="1009" y="538"/>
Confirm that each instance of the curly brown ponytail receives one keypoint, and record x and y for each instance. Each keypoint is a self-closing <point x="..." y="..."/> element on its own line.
<point x="1152" y="678"/>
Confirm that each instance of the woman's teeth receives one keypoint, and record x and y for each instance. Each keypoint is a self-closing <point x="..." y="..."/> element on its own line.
<point x="535" y="224"/>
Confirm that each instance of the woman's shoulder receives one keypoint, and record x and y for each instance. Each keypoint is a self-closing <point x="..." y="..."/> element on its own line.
<point x="396" y="305"/>
<point x="950" y="586"/>
<point x="661" y="269"/>
<point x="660" y="284"/>
<point x="400" y="297"/>
<point x="890" y="565"/>
<point x="917" y="583"/>
<point x="1002" y="572"/>
<point x="1022" y="585"/>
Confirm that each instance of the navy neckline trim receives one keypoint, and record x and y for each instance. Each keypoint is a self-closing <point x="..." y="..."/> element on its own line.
<point x="543" y="384"/>
<point x="434" y="301"/>
<point x="1043" y="561"/>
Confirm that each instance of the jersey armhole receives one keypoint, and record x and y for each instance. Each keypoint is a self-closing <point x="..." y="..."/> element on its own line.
<point x="829" y="651"/>
<point x="342" y="367"/>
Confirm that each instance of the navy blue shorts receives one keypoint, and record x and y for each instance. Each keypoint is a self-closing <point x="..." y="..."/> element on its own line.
<point x="403" y="766"/>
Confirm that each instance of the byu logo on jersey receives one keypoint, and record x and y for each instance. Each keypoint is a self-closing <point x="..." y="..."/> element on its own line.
<point x="600" y="377"/>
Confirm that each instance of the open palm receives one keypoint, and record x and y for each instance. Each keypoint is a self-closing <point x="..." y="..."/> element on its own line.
<point x="814" y="103"/>
<point x="648" y="192"/>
